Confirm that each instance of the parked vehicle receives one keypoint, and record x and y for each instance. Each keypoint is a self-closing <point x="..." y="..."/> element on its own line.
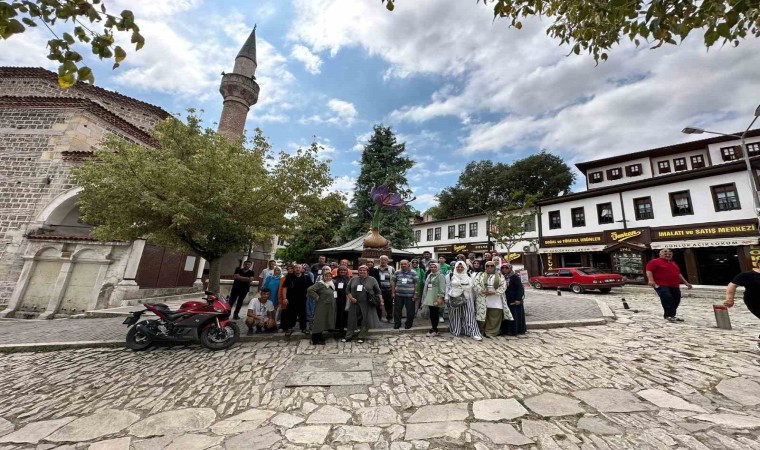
<point x="207" y="321"/>
<point x="577" y="279"/>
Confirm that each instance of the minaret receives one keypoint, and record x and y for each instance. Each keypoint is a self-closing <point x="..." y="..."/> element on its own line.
<point x="239" y="90"/>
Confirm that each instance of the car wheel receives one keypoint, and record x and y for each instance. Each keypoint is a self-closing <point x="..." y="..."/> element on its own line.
<point x="605" y="290"/>
<point x="577" y="288"/>
<point x="537" y="285"/>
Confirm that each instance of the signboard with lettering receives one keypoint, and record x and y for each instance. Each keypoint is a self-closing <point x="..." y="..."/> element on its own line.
<point x="632" y="236"/>
<point x="580" y="239"/>
<point x="461" y="248"/>
<point x="742" y="228"/>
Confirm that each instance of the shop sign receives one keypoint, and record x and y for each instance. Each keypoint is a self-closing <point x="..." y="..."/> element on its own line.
<point x="442" y="249"/>
<point x="586" y="239"/>
<point x="461" y="248"/>
<point x="512" y="257"/>
<point x="701" y="243"/>
<point x="717" y="229"/>
<point x="636" y="235"/>
<point x="754" y="255"/>
<point x="579" y="249"/>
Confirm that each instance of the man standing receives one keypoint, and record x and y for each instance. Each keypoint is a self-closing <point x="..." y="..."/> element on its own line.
<point x="384" y="278"/>
<point x="665" y="277"/>
<point x="425" y="260"/>
<point x="316" y="268"/>
<point x="268" y="272"/>
<point x="294" y="307"/>
<point x="343" y="262"/>
<point x="420" y="279"/>
<point x="442" y="266"/>
<point x="240" y="285"/>
<point x="404" y="294"/>
<point x="470" y="260"/>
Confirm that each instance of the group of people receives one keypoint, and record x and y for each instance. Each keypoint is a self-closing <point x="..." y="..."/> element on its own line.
<point x="480" y="297"/>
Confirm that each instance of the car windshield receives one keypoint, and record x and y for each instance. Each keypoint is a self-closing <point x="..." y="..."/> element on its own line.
<point x="590" y="271"/>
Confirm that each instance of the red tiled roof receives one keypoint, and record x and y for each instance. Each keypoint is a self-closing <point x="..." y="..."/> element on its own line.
<point x="60" y="237"/>
<point x="8" y="101"/>
<point x="77" y="154"/>
<point x="39" y="72"/>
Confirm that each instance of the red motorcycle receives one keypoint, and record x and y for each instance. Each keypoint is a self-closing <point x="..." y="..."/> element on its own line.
<point x="209" y="322"/>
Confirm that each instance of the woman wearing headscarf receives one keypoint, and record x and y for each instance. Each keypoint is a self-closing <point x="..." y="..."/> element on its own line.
<point x="462" y="318"/>
<point x="362" y="290"/>
<point x="515" y="295"/>
<point x="433" y="296"/>
<point x="341" y="284"/>
<point x="273" y="282"/>
<point x="476" y="267"/>
<point x="491" y="304"/>
<point x="324" y="293"/>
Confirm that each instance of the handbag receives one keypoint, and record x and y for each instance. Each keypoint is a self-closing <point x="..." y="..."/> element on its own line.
<point x="457" y="301"/>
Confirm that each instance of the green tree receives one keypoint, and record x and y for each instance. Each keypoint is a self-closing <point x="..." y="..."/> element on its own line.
<point x="486" y="186"/>
<point x="319" y="231"/>
<point x="595" y="26"/>
<point x="383" y="162"/>
<point x="199" y="191"/>
<point x="509" y="224"/>
<point x="85" y="24"/>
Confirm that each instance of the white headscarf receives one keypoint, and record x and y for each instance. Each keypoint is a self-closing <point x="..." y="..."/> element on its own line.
<point x="326" y="271"/>
<point x="460" y="282"/>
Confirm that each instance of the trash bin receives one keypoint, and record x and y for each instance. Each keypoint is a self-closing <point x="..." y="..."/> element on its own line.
<point x="721" y="317"/>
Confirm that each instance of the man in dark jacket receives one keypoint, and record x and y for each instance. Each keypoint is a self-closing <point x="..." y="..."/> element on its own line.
<point x="241" y="284"/>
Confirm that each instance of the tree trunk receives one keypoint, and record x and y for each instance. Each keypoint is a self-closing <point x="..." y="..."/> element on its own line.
<point x="214" y="274"/>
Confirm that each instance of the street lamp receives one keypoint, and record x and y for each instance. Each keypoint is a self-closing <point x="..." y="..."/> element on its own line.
<point x="750" y="173"/>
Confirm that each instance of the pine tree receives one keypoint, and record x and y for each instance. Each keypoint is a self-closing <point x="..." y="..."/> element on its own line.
<point x="383" y="162"/>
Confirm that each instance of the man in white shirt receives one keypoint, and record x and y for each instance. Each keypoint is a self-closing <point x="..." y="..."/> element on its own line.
<point x="260" y="316"/>
<point x="269" y="271"/>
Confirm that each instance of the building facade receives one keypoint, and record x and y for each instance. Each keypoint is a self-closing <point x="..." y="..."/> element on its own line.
<point x="694" y="198"/>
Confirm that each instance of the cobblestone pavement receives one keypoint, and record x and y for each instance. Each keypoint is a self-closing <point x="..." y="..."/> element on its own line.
<point x="639" y="382"/>
<point x="540" y="306"/>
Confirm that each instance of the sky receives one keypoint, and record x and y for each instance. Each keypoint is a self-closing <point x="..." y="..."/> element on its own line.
<point x="455" y="85"/>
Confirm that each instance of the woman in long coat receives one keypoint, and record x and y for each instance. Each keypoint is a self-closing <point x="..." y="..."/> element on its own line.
<point x="515" y="295"/>
<point x="359" y="290"/>
<point x="324" y="293"/>
<point x="462" y="318"/>
<point x="341" y="284"/>
<point x="433" y="296"/>
<point x="490" y="304"/>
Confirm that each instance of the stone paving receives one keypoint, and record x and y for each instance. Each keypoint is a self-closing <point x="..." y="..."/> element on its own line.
<point x="540" y="306"/>
<point x="636" y="383"/>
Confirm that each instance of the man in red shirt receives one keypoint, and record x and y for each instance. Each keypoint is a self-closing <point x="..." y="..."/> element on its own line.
<point x="665" y="277"/>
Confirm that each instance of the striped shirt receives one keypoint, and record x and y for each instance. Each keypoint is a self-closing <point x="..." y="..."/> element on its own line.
<point x="406" y="283"/>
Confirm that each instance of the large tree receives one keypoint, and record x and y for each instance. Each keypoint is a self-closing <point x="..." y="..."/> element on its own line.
<point x="485" y="186"/>
<point x="321" y="230"/>
<point x="595" y="26"/>
<point x="199" y="191"/>
<point x="87" y="22"/>
<point x="383" y="162"/>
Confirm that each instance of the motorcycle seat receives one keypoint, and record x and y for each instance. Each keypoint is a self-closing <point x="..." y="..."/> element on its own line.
<point x="171" y="315"/>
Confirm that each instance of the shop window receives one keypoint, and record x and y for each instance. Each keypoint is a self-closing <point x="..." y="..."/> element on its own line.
<point x="579" y="217"/>
<point x="730" y="153"/>
<point x="555" y="221"/>
<point x="604" y="213"/>
<point x="753" y="149"/>
<point x="679" y="164"/>
<point x="643" y="208"/>
<point x="725" y="197"/>
<point x="429" y="234"/>
<point x="417" y="235"/>
<point x="614" y="174"/>
<point x="680" y="203"/>
<point x="663" y="167"/>
<point x="697" y="162"/>
<point x="596" y="177"/>
<point x="452" y="230"/>
<point x="634" y="170"/>
<point x="462" y="230"/>
<point x="474" y="229"/>
<point x="437" y="233"/>
<point x="530" y="224"/>
<point x="630" y="265"/>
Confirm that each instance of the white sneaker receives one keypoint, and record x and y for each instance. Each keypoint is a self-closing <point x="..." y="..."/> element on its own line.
<point x="477" y="338"/>
<point x="440" y="320"/>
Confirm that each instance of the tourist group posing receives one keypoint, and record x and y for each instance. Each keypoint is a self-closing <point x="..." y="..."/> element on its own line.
<point x="480" y="298"/>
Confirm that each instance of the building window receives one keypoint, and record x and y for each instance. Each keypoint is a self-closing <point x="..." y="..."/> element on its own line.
<point x="417" y="235"/>
<point x="680" y="203"/>
<point x="604" y="213"/>
<point x="462" y="230"/>
<point x="579" y="217"/>
<point x="530" y="224"/>
<point x="753" y="149"/>
<point x="474" y="229"/>
<point x="730" y="153"/>
<point x="429" y="234"/>
<point x="697" y="162"/>
<point x="452" y="230"/>
<point x="555" y="221"/>
<point x="634" y="170"/>
<point x="679" y="164"/>
<point x="663" y="167"/>
<point x="437" y="233"/>
<point x="596" y="177"/>
<point x="725" y="197"/>
<point x="614" y="174"/>
<point x="643" y="207"/>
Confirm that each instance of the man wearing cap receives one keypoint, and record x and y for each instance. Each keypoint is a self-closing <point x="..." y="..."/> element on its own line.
<point x="664" y="275"/>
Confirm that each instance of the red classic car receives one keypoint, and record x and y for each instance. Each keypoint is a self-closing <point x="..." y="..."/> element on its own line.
<point x="577" y="279"/>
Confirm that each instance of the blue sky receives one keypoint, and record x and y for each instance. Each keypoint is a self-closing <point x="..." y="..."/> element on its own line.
<point x="454" y="85"/>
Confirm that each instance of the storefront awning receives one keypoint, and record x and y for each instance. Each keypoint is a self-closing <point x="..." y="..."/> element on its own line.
<point x="699" y="243"/>
<point x="578" y="249"/>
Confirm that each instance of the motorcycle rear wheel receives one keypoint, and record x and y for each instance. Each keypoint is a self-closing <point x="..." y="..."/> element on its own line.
<point x="136" y="340"/>
<point x="214" y="339"/>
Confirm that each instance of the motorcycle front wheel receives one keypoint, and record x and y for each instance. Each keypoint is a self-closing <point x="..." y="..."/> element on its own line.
<point x="136" y="340"/>
<point x="215" y="339"/>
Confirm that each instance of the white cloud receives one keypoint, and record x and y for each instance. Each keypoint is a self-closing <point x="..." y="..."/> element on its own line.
<point x="425" y="201"/>
<point x="27" y="49"/>
<point x="344" y="184"/>
<point x="311" y="62"/>
<point x="343" y="113"/>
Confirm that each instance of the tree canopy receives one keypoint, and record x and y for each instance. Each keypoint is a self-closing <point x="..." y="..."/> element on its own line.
<point x="594" y="27"/>
<point x="485" y="186"/>
<point x="383" y="162"/>
<point x="199" y="191"/>
<point x="321" y="230"/>
<point x="88" y="23"/>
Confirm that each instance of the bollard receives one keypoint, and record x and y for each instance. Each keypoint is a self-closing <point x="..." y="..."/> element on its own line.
<point x="625" y="304"/>
<point x="721" y="317"/>
<point x="559" y="292"/>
